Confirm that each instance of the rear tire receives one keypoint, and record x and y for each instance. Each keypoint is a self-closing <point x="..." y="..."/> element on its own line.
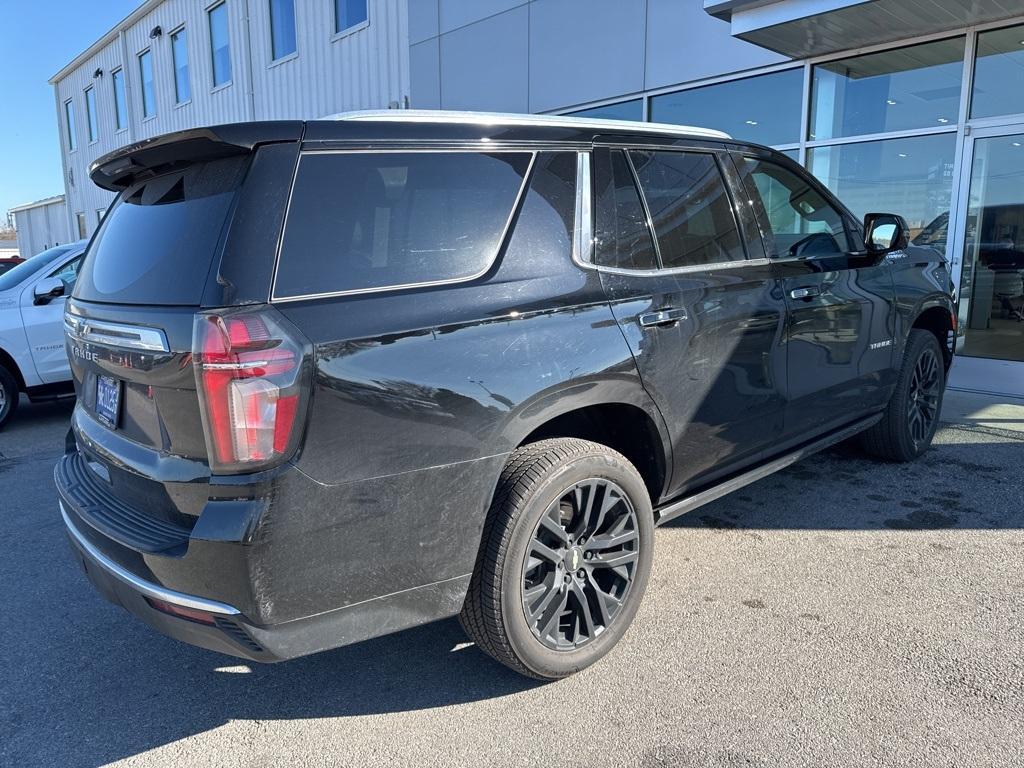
<point x="564" y="561"/>
<point x="8" y="396"/>
<point x="912" y="415"/>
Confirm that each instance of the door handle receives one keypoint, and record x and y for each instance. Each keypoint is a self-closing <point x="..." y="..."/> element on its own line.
<point x="662" y="317"/>
<point x="805" y="293"/>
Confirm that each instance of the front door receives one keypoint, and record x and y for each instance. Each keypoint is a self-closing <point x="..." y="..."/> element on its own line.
<point x="840" y="330"/>
<point x="703" y="320"/>
<point x="989" y="251"/>
<point x="44" y="324"/>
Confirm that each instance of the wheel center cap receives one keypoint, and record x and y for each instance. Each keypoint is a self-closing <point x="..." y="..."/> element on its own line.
<point x="573" y="559"/>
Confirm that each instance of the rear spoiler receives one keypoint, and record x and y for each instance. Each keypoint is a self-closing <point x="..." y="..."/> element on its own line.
<point x="125" y="166"/>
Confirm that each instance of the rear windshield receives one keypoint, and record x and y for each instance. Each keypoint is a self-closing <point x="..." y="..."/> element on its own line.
<point x="371" y="221"/>
<point x="158" y="241"/>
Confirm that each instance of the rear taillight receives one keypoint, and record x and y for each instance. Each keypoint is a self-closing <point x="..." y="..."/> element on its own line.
<point x="252" y="377"/>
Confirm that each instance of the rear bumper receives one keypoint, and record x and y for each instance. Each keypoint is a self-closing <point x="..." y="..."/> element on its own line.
<point x="232" y="633"/>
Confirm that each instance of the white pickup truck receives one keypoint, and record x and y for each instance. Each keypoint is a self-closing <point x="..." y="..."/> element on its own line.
<point x="32" y="355"/>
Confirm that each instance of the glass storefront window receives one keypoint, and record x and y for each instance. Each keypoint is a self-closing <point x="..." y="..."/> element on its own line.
<point x="764" y="109"/>
<point x="623" y="110"/>
<point x="912" y="177"/>
<point x="999" y="64"/>
<point x="897" y="90"/>
<point x="992" y="280"/>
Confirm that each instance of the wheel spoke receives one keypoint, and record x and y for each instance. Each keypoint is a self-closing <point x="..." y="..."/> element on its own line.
<point x="550" y="619"/>
<point x="608" y="541"/>
<point x="553" y="526"/>
<point x="584" y="610"/>
<point x="535" y="608"/>
<point x="544" y="552"/>
<point x="606" y="604"/>
<point x="615" y="560"/>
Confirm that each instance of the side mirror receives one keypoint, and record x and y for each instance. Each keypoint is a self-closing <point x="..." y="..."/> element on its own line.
<point x="885" y="232"/>
<point x="47" y="290"/>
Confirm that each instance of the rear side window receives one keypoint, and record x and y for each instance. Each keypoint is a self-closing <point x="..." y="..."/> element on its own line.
<point x="623" y="239"/>
<point x="371" y="221"/>
<point x="690" y="208"/>
<point x="803" y="223"/>
<point x="157" y="243"/>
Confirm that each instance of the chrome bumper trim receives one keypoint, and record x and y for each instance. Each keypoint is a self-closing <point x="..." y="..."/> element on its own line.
<point x="142" y="586"/>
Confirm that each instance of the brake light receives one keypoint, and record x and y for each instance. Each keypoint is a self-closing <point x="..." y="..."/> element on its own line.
<point x="250" y="375"/>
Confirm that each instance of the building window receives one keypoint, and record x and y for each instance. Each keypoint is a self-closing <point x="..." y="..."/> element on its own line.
<point x="623" y="110"/>
<point x="220" y="44"/>
<point x="90" y="114"/>
<point x="765" y="108"/>
<point x="146" y="78"/>
<point x="912" y="176"/>
<point x="120" y="102"/>
<point x="69" y="123"/>
<point x="1000" y="62"/>
<point x="179" y="53"/>
<point x="80" y="221"/>
<point x="348" y="14"/>
<point x="896" y="90"/>
<point x="282" y="28"/>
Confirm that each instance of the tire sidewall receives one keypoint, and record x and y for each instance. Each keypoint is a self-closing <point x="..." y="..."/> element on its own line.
<point x="918" y="342"/>
<point x="528" y="648"/>
<point x="10" y="387"/>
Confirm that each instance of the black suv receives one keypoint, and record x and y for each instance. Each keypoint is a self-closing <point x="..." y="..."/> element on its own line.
<point x="343" y="377"/>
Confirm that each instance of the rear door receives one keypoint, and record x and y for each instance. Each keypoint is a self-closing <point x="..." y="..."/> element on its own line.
<point x="839" y="335"/>
<point x="44" y="322"/>
<point x="696" y="301"/>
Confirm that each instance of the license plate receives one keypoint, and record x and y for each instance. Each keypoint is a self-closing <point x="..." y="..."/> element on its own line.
<point x="108" y="400"/>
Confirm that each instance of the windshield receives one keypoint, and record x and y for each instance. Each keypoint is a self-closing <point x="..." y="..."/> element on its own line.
<point x="30" y="267"/>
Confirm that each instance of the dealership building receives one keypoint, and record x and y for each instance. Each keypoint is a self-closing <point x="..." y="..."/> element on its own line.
<point x="915" y="107"/>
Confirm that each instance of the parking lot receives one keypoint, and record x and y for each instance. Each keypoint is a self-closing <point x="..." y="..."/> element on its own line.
<point x="843" y="612"/>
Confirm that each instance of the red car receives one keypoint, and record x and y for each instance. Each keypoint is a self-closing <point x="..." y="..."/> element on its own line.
<point x="9" y="262"/>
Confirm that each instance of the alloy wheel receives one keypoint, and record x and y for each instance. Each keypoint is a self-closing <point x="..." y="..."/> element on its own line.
<point x="923" y="406"/>
<point x="580" y="564"/>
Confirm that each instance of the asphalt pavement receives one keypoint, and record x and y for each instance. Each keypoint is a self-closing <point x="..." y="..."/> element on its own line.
<point x="843" y="612"/>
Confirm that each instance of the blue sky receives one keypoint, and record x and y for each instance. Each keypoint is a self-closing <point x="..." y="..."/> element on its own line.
<point x="37" y="38"/>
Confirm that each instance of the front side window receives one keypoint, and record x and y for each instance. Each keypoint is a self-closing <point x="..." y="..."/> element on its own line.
<point x="90" y="114"/>
<point x="179" y="52"/>
<point x="622" y="237"/>
<point x="348" y="14"/>
<point x="69" y="124"/>
<point x="120" y="101"/>
<point x="690" y="208"/>
<point x="282" y="28"/>
<point x="220" y="44"/>
<point x="398" y="219"/>
<point x="802" y="223"/>
<point x="146" y="79"/>
<point x="68" y="273"/>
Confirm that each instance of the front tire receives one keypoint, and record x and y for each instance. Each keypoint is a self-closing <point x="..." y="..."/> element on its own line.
<point x="8" y="396"/>
<point x="912" y="415"/>
<point x="564" y="561"/>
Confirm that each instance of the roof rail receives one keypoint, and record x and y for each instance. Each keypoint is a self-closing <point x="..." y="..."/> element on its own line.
<point x="441" y="116"/>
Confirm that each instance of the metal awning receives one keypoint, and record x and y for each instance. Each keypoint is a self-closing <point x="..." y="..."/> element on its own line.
<point x="803" y="28"/>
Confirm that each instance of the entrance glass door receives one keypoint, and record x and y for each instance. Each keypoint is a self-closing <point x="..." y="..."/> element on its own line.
<point x="992" y="267"/>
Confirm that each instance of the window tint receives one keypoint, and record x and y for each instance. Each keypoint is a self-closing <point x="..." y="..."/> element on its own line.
<point x="220" y="45"/>
<point x="282" y="28"/>
<point x="690" y="208"/>
<point x="146" y="78"/>
<point x="348" y="13"/>
<point x="158" y="241"/>
<point x="802" y="222"/>
<point x="179" y="52"/>
<point x="622" y="237"/>
<point x="120" y="103"/>
<point x="544" y="227"/>
<point x="364" y="221"/>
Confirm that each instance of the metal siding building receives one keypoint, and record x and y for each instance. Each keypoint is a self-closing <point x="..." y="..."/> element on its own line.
<point x="41" y="225"/>
<point x="364" y="67"/>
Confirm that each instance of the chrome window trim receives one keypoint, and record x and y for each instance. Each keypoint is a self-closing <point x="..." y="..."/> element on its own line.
<point x="118" y="335"/>
<point x="583" y="225"/>
<point x="680" y="270"/>
<point x="275" y="299"/>
<point x="147" y="588"/>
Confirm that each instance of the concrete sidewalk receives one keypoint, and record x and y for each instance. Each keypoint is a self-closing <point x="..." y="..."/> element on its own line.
<point x="981" y="410"/>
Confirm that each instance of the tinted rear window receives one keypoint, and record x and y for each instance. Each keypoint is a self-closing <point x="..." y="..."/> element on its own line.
<point x="370" y="221"/>
<point x="158" y="241"/>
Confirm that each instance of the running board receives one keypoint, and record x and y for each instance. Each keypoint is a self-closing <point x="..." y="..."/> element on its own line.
<point x="690" y="503"/>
